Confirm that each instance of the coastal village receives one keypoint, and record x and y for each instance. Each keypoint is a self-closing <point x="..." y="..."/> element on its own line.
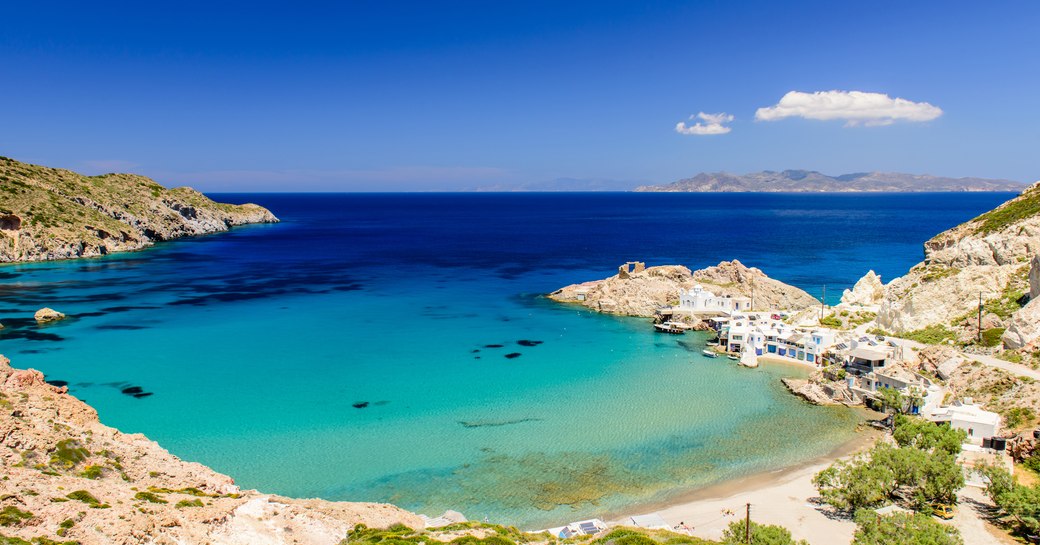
<point x="954" y="343"/>
<point x="944" y="361"/>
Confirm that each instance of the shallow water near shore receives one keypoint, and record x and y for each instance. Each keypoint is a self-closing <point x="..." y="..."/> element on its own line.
<point x="396" y="348"/>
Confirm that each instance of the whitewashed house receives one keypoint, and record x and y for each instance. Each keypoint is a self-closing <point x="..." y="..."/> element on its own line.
<point x="977" y="422"/>
<point x="701" y="301"/>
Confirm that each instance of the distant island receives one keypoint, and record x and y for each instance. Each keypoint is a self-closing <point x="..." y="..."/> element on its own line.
<point x="810" y="181"/>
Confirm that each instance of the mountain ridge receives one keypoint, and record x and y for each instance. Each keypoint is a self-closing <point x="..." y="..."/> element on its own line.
<point x="811" y="181"/>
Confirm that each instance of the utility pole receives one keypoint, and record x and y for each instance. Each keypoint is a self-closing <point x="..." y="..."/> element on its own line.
<point x="980" y="317"/>
<point x="747" y="525"/>
<point x="823" y="301"/>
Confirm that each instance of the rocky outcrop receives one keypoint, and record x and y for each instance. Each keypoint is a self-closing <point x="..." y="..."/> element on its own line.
<point x="48" y="214"/>
<point x="929" y="296"/>
<point x="938" y="360"/>
<point x="1024" y="330"/>
<point x="868" y="291"/>
<point x="819" y="392"/>
<point x="642" y="293"/>
<point x="632" y="294"/>
<point x="989" y="255"/>
<point x="734" y="278"/>
<point x="61" y="465"/>
<point x="46" y="314"/>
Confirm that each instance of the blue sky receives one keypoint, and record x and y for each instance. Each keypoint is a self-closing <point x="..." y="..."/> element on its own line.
<point x="342" y="96"/>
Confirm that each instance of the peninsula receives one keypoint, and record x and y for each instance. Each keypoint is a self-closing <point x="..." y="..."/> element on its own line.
<point x="810" y="181"/>
<point x="50" y="213"/>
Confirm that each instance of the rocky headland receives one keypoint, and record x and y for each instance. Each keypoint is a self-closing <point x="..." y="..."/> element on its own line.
<point x="67" y="476"/>
<point x="992" y="256"/>
<point x="49" y="213"/>
<point x="638" y="291"/>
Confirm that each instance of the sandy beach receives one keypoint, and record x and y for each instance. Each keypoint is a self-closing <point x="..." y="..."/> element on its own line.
<point x="778" y="497"/>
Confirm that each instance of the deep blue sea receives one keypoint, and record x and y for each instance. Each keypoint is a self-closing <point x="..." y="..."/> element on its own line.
<point x="358" y="350"/>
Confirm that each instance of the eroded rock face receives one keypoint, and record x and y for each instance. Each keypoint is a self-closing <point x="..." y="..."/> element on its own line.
<point x="52" y="445"/>
<point x="868" y="291"/>
<point x="925" y="297"/>
<point x="642" y="293"/>
<point x="990" y="254"/>
<point x="46" y="314"/>
<point x="1024" y="330"/>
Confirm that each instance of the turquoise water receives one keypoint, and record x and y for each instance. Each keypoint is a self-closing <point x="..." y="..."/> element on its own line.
<point x="257" y="345"/>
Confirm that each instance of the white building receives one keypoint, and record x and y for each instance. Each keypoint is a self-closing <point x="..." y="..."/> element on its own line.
<point x="971" y="418"/>
<point x="768" y="334"/>
<point x="702" y="301"/>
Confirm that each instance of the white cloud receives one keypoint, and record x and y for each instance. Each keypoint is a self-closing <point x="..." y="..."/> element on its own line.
<point x="854" y="107"/>
<point x="712" y="124"/>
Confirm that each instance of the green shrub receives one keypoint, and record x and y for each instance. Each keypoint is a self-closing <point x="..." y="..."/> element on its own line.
<point x="93" y="472"/>
<point x="149" y="497"/>
<point x="831" y="321"/>
<point x="64" y="527"/>
<point x="761" y="534"/>
<point x="1018" y="416"/>
<point x="87" y="498"/>
<point x="933" y="334"/>
<point x="189" y="503"/>
<point x="13" y="516"/>
<point x="902" y="528"/>
<point x="991" y="337"/>
<point x="1025" y="206"/>
<point x="68" y="453"/>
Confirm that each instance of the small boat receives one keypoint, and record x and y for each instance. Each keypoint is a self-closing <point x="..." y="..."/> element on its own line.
<point x="733" y="357"/>
<point x="710" y="353"/>
<point x="670" y="327"/>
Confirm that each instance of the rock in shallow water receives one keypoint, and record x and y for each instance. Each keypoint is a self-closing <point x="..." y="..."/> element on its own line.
<point x="46" y="314"/>
<point x="512" y="355"/>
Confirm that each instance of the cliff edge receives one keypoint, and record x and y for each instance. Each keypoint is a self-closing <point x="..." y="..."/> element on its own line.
<point x="988" y="256"/>
<point x="66" y="476"/>
<point x="49" y="213"/>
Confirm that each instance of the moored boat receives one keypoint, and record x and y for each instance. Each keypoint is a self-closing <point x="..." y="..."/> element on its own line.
<point x="671" y="327"/>
<point x="710" y="353"/>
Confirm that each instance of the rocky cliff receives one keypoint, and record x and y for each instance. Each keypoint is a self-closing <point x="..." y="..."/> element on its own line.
<point x="49" y="213"/>
<point x="989" y="255"/>
<point x="641" y="293"/>
<point x="66" y="476"/>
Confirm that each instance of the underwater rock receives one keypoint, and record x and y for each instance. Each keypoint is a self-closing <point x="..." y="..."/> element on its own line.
<point x="494" y="345"/>
<point x="132" y="390"/>
<point x="496" y="423"/>
<point x="360" y="405"/>
<point x="525" y="342"/>
<point x="512" y="355"/>
<point x="142" y="394"/>
<point x="58" y="383"/>
<point x="46" y="314"/>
